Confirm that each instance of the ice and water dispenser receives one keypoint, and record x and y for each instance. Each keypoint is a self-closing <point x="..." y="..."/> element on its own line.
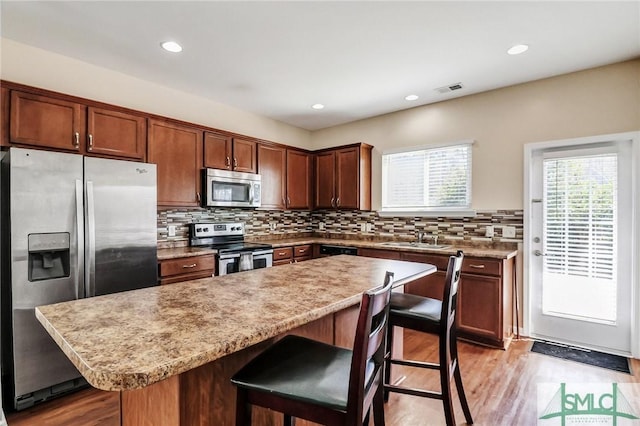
<point x="48" y="256"/>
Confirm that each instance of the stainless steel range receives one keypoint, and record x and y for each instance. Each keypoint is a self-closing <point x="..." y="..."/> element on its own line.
<point x="233" y="253"/>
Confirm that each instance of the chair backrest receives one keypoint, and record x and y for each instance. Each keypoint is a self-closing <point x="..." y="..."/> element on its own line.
<point x="450" y="305"/>
<point x="368" y="350"/>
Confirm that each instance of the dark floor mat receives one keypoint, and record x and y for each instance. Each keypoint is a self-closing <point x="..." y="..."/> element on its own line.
<point x="585" y="356"/>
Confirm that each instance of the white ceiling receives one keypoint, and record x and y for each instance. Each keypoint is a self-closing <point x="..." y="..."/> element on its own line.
<point x="360" y="59"/>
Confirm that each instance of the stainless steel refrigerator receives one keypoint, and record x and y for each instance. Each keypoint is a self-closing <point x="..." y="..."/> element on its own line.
<point x="72" y="227"/>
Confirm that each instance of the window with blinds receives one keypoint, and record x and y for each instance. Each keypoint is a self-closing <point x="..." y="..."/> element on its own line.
<point x="580" y="215"/>
<point x="427" y="179"/>
<point x="580" y="211"/>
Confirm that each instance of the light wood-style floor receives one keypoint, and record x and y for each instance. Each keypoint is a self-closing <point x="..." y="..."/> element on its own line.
<point x="501" y="388"/>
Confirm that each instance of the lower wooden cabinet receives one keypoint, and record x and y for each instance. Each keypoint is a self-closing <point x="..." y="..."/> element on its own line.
<point x="485" y="298"/>
<point x="292" y="254"/>
<point x="186" y="268"/>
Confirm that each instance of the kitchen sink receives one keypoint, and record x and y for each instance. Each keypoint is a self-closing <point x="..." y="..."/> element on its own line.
<point x="414" y="245"/>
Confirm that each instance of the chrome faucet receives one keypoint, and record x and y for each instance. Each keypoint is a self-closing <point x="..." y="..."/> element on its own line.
<point x="421" y="236"/>
<point x="435" y="238"/>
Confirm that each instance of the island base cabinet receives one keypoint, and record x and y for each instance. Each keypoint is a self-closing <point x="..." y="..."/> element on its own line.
<point x="205" y="395"/>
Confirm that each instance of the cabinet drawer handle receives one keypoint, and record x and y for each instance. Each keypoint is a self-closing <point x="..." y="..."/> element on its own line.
<point x="302" y="250"/>
<point x="193" y="265"/>
<point x="90" y="142"/>
<point x="76" y="139"/>
<point x="282" y="253"/>
<point x="476" y="266"/>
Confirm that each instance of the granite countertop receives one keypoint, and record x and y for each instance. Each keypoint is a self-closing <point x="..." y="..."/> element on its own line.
<point x="471" y="251"/>
<point x="182" y="252"/>
<point x="132" y="339"/>
<point x="479" y="250"/>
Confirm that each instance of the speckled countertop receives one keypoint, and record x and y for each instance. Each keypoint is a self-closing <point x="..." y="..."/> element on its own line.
<point x="478" y="250"/>
<point x="133" y="339"/>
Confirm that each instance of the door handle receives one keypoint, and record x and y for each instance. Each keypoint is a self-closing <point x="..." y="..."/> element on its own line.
<point x="228" y="162"/>
<point x="539" y="253"/>
<point x="90" y="142"/>
<point x="235" y="162"/>
<point x="90" y="270"/>
<point x="76" y="140"/>
<point x="80" y="240"/>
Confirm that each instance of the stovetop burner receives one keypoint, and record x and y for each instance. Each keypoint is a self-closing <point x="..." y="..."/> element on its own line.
<point x="226" y="237"/>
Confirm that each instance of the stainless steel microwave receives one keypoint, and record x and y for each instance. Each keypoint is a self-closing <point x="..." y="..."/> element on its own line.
<point x="225" y="188"/>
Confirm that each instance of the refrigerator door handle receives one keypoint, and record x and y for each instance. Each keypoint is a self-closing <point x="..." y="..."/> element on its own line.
<point x="90" y="271"/>
<point x="80" y="241"/>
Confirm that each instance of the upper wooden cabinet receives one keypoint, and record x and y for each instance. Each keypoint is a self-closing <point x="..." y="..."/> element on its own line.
<point x="286" y="177"/>
<point x="177" y="151"/>
<point x="227" y="153"/>
<point x="116" y="133"/>
<point x="343" y="177"/>
<point x="44" y="121"/>
<point x="272" y="166"/>
<point x="299" y="178"/>
<point x="4" y="116"/>
<point x="47" y="122"/>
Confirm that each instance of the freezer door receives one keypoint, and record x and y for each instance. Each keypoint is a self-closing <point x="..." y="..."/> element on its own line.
<point x="46" y="258"/>
<point x="121" y="226"/>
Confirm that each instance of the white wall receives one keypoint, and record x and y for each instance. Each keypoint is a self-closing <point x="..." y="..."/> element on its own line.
<point x="598" y="101"/>
<point x="28" y="65"/>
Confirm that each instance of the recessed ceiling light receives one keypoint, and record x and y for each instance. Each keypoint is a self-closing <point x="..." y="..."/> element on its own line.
<point x="171" y="46"/>
<point x="411" y="97"/>
<point x="317" y="106"/>
<point x="518" y="49"/>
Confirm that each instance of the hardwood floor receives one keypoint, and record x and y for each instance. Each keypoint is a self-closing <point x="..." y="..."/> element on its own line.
<point x="86" y="407"/>
<point x="501" y="388"/>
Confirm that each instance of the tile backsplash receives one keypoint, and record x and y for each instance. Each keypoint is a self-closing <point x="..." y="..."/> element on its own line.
<point x="347" y="224"/>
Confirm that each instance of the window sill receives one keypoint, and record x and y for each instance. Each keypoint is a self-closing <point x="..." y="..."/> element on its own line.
<point x="427" y="213"/>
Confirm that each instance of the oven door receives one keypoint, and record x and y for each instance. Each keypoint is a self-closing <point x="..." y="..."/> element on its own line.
<point x="230" y="263"/>
<point x="232" y="189"/>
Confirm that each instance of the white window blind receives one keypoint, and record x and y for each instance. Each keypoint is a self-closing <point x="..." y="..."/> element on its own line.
<point x="580" y="216"/>
<point x="427" y="179"/>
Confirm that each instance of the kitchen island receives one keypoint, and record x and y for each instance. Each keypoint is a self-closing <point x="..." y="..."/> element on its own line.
<point x="170" y="350"/>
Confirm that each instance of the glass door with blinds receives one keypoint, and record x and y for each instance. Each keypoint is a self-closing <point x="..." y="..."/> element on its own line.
<point x="582" y="243"/>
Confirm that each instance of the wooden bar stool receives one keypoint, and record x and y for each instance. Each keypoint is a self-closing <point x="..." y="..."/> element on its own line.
<point x="307" y="379"/>
<point x="435" y="317"/>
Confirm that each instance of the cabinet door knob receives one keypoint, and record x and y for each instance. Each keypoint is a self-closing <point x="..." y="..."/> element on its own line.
<point x="90" y="142"/>
<point x="76" y="140"/>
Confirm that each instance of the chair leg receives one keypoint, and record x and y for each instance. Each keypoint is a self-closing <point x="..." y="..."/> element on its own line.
<point x="446" y="396"/>
<point x="387" y="361"/>
<point x="458" y="378"/>
<point x="365" y="422"/>
<point x="462" y="396"/>
<point x="378" y="406"/>
<point x="289" y="420"/>
<point x="243" y="410"/>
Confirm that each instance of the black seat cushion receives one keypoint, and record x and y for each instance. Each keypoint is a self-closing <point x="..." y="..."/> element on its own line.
<point x="302" y="369"/>
<point x="415" y="307"/>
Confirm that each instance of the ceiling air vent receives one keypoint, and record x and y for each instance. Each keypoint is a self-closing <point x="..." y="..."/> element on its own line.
<point x="449" y="88"/>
